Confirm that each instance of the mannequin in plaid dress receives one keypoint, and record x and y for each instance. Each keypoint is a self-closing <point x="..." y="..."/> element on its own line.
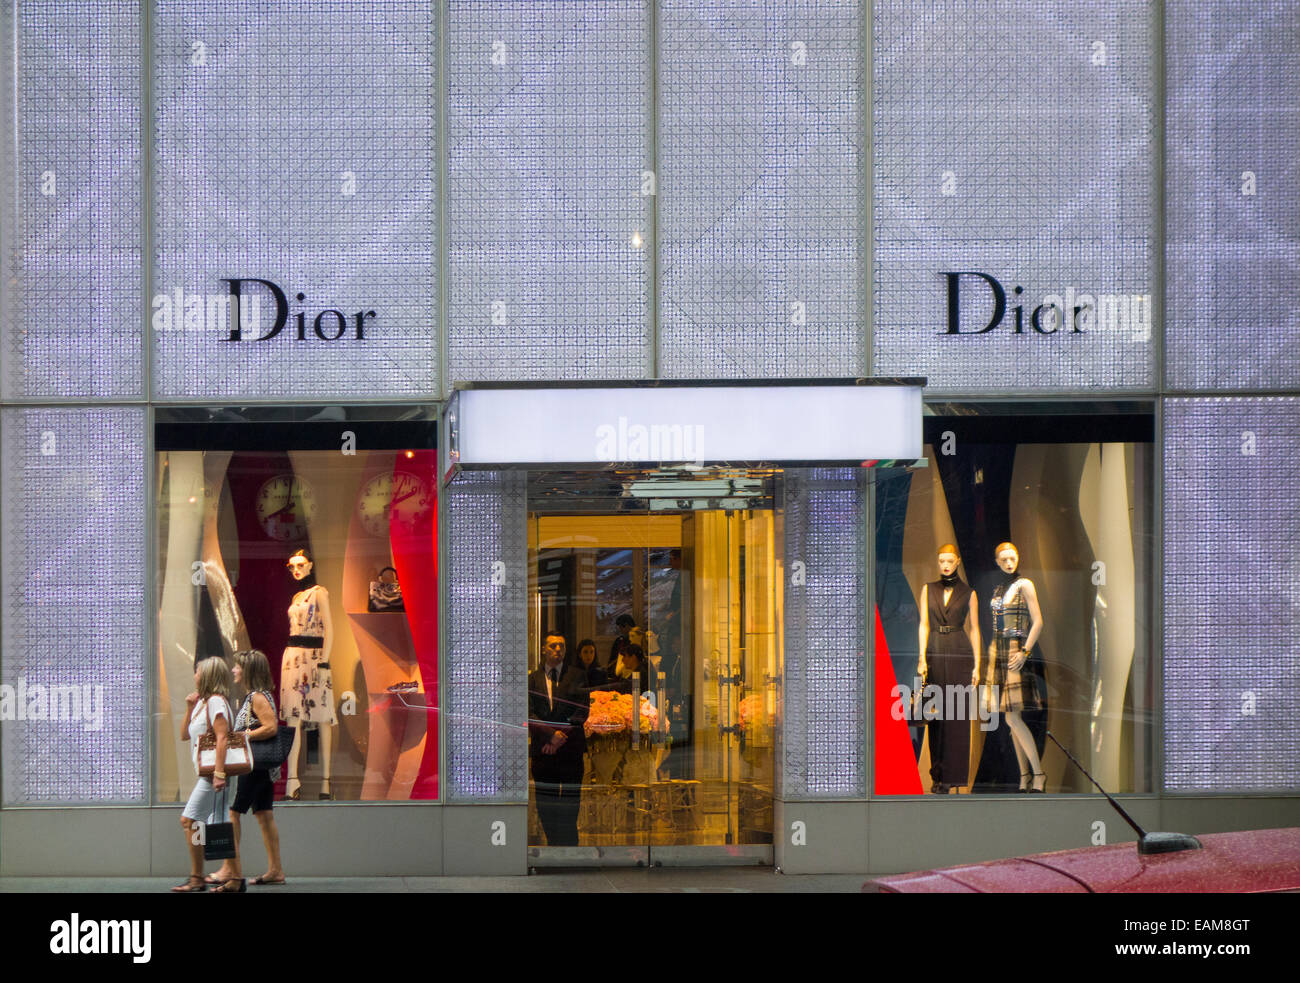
<point x="1017" y="623"/>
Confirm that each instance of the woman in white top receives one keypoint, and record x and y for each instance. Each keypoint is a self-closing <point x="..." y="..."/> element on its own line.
<point x="208" y="705"/>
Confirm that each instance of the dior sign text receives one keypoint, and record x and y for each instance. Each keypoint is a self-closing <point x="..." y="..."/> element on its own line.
<point x="328" y="325"/>
<point x="238" y="313"/>
<point x="1071" y="311"/>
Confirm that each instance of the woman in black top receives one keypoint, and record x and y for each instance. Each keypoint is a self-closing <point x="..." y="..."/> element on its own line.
<point x="585" y="660"/>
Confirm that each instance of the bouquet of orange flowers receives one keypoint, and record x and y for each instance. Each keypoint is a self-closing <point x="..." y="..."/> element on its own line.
<point x="750" y="711"/>
<point x="605" y="715"/>
<point x="611" y="713"/>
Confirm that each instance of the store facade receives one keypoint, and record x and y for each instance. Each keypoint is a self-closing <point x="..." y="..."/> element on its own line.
<point x="331" y="346"/>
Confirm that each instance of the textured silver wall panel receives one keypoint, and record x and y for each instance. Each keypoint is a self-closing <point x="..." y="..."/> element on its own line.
<point x="761" y="208"/>
<point x="824" y="703"/>
<point x="1014" y="139"/>
<point x="294" y="143"/>
<point x="72" y="312"/>
<point x="1231" y="594"/>
<point x="74" y="650"/>
<point x="547" y="115"/>
<point x="1232" y="190"/>
<point x="485" y="656"/>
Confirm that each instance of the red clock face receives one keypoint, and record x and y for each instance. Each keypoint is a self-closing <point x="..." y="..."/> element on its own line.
<point x="285" y="504"/>
<point x="393" y="498"/>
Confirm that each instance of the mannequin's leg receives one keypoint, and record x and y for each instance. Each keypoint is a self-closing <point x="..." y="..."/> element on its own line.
<point x="326" y="745"/>
<point x="293" y="783"/>
<point x="1026" y="752"/>
<point x="1021" y="760"/>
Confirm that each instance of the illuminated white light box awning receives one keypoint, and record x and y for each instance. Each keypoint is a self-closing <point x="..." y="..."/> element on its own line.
<point x="813" y="423"/>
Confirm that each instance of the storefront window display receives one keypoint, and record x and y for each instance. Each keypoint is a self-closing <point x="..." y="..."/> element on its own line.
<point x="314" y="541"/>
<point x="1013" y="590"/>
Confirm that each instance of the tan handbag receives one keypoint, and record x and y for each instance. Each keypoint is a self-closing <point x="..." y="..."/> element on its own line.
<point x="239" y="756"/>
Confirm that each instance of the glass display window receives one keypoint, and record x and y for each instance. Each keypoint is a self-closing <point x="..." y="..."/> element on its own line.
<point x="309" y="536"/>
<point x="1013" y="598"/>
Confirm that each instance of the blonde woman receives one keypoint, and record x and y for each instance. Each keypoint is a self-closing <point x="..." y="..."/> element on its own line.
<point x="208" y="707"/>
<point x="256" y="789"/>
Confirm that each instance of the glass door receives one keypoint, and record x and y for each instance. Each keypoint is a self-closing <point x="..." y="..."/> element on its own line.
<point x="722" y="716"/>
<point x="670" y="627"/>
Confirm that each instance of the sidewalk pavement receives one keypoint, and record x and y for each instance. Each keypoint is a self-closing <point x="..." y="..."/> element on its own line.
<point x="671" y="880"/>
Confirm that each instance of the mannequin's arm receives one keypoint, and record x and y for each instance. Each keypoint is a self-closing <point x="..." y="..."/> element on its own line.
<point x="973" y="633"/>
<point x="1035" y="615"/>
<point x="323" y="599"/>
<point x="923" y="633"/>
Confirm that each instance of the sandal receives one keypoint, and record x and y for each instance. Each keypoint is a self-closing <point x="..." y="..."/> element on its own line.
<point x="214" y="880"/>
<point x="229" y="887"/>
<point x="1024" y="781"/>
<point x="194" y="884"/>
<point x="262" y="880"/>
<point x="1034" y="787"/>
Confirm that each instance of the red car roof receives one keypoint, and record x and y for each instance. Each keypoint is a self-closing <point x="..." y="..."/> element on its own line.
<point x="1252" y="861"/>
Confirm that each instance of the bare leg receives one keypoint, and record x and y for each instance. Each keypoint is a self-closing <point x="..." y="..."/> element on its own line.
<point x="236" y="873"/>
<point x="271" y="838"/>
<point x="195" y="844"/>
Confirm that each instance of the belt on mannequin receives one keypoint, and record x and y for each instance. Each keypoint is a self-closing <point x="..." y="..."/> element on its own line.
<point x="947" y="629"/>
<point x="306" y="641"/>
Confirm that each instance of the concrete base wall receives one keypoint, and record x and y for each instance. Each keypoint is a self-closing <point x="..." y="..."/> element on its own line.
<point x="877" y="836"/>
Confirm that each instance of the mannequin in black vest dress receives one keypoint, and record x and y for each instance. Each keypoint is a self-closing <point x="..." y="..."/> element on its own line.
<point x="950" y="655"/>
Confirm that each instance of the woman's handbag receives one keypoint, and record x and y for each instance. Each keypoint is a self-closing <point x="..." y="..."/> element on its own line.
<point x="386" y="596"/>
<point x="271" y="752"/>
<point x="239" y="758"/>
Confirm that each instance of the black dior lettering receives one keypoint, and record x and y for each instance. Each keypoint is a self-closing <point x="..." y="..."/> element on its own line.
<point x="954" y="302"/>
<point x="322" y="323"/>
<point x="1034" y="319"/>
<point x="343" y="326"/>
<point x="1020" y="324"/>
<point x="281" y="306"/>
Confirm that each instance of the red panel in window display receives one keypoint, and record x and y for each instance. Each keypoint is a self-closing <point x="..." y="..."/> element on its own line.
<point x="896" y="772"/>
<point x="263" y="586"/>
<point x="413" y="533"/>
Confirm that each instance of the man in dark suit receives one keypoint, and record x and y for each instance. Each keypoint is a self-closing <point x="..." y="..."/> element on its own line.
<point x="557" y="709"/>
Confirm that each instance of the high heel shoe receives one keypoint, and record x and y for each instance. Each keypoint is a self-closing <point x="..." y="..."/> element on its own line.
<point x="326" y="793"/>
<point x="1024" y="781"/>
<point x="296" y="794"/>
<point x="1035" y="786"/>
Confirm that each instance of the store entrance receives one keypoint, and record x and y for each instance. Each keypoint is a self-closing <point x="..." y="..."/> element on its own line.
<point x="662" y="591"/>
